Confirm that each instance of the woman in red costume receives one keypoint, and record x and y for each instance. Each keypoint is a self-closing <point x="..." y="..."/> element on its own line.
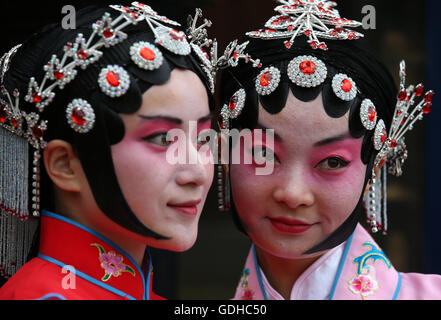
<point x="85" y="154"/>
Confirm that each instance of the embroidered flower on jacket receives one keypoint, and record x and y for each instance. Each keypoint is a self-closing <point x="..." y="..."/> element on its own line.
<point x="112" y="263"/>
<point x="363" y="284"/>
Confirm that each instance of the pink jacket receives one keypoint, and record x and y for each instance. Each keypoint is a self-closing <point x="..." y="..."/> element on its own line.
<point x="359" y="269"/>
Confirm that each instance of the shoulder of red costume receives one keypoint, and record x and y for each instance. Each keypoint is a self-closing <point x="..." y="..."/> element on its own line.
<point x="37" y="279"/>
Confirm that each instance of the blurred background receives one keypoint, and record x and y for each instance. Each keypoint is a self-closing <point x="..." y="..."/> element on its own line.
<point x="405" y="29"/>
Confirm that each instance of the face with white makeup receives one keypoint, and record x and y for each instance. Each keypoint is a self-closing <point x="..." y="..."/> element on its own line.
<point x="165" y="197"/>
<point x="317" y="181"/>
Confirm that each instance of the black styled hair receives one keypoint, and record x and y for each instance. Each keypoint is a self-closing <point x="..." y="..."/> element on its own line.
<point x="93" y="147"/>
<point x="373" y="81"/>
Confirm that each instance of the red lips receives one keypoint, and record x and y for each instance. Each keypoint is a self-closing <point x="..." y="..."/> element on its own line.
<point x="287" y="225"/>
<point x="188" y="208"/>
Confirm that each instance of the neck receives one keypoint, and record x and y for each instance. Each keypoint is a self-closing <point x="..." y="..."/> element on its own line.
<point x="282" y="273"/>
<point x="96" y="220"/>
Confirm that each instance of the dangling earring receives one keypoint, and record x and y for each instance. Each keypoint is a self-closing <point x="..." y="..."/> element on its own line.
<point x="228" y="112"/>
<point x="223" y="176"/>
<point x="223" y="188"/>
<point x="375" y="201"/>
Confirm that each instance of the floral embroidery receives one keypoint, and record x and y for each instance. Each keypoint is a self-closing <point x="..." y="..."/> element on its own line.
<point x="247" y="292"/>
<point x="112" y="263"/>
<point x="365" y="283"/>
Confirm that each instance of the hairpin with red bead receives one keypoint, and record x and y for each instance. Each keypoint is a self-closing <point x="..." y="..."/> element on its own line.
<point x="404" y="118"/>
<point x="233" y="109"/>
<point x="310" y="18"/>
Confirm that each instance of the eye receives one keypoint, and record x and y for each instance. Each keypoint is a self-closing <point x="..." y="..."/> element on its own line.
<point x="159" y="139"/>
<point x="203" y="138"/>
<point x="332" y="163"/>
<point x="262" y="155"/>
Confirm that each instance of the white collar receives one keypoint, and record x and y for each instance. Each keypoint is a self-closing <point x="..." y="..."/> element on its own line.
<point x="315" y="283"/>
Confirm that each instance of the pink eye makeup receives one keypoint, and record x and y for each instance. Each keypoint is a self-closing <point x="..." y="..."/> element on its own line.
<point x="336" y="156"/>
<point x="154" y="129"/>
<point x="332" y="163"/>
<point x="261" y="155"/>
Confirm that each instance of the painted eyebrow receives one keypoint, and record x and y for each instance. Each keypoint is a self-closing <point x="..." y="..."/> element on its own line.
<point x="330" y="140"/>
<point x="276" y="136"/>
<point x="206" y="118"/>
<point x="173" y="119"/>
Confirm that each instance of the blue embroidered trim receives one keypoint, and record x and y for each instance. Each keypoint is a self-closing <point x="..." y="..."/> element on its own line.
<point x="147" y="286"/>
<point x="374" y="254"/>
<point x="397" y="290"/>
<point x="341" y="265"/>
<point x="51" y="295"/>
<point x="88" y="278"/>
<point x="101" y="237"/>
<point x="259" y="276"/>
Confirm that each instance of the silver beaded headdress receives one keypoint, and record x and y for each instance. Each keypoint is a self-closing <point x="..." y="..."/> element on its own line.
<point x="392" y="151"/>
<point x="22" y="133"/>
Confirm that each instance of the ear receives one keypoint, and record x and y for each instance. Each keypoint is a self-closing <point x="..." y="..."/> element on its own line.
<point x="62" y="165"/>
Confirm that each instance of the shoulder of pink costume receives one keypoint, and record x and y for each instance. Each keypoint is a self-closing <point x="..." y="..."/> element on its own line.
<point x="418" y="286"/>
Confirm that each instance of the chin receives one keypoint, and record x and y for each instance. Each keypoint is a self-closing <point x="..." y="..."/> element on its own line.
<point x="177" y="242"/>
<point x="282" y="249"/>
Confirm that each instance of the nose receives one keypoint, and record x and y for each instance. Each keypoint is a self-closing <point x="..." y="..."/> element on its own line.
<point x="194" y="172"/>
<point x="294" y="190"/>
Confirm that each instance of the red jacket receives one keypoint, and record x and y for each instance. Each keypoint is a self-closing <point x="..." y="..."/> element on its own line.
<point x="75" y="262"/>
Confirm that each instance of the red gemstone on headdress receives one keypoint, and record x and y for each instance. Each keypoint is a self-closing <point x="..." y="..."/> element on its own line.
<point x="429" y="96"/>
<point x="235" y="55"/>
<point x="281" y="20"/>
<point x="383" y="135"/>
<point x="308" y="33"/>
<point x="307" y="67"/>
<point x="427" y="107"/>
<point x="351" y="35"/>
<point x="81" y="54"/>
<point x="175" y="35"/>
<point x="58" y="75"/>
<point x="402" y="95"/>
<point x="323" y="46"/>
<point x="78" y="116"/>
<point x="346" y="85"/>
<point x="37" y="98"/>
<point x="147" y="53"/>
<point x="371" y="113"/>
<point x="393" y="143"/>
<point x="14" y="122"/>
<point x="2" y="114"/>
<point x="314" y="44"/>
<point x="288" y="44"/>
<point x="108" y="33"/>
<point x="112" y="78"/>
<point x="403" y="121"/>
<point x="206" y="54"/>
<point x="419" y="90"/>
<point x="233" y="102"/>
<point x="265" y="79"/>
<point x="38" y="133"/>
